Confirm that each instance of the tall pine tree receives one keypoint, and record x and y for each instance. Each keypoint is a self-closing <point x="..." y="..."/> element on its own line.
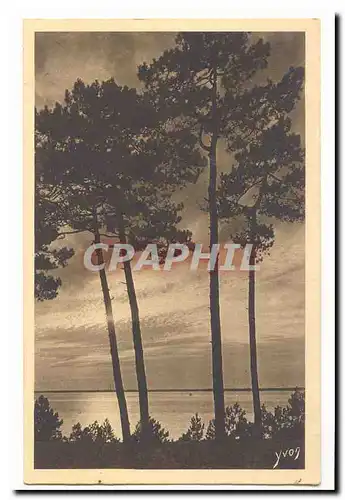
<point x="266" y="184"/>
<point x="198" y="82"/>
<point x="113" y="159"/>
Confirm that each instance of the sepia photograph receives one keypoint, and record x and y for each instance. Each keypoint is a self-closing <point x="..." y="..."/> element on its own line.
<point x="171" y="187"/>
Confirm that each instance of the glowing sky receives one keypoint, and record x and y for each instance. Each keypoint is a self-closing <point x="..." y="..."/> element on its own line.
<point x="71" y="339"/>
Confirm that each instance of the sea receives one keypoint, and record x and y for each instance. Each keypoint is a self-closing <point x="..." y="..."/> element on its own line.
<point x="173" y="409"/>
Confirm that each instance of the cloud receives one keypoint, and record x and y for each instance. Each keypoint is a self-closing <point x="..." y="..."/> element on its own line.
<point x="61" y="58"/>
<point x="72" y="339"/>
<point x="181" y="363"/>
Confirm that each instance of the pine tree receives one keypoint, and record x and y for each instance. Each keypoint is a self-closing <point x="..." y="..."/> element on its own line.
<point x="265" y="184"/>
<point x="198" y="83"/>
<point x="47" y="422"/>
<point x="195" y="431"/>
<point x="84" y="144"/>
<point x="112" y="160"/>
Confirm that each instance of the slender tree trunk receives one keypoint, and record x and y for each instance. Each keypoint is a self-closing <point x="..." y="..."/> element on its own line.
<point x="217" y="364"/>
<point x="120" y="393"/>
<point x="252" y="334"/>
<point x="138" y="347"/>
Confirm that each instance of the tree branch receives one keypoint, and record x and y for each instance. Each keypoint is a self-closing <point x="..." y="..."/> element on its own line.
<point x="47" y="200"/>
<point x="113" y="235"/>
<point x="63" y="233"/>
<point x="202" y="145"/>
<point x="203" y="80"/>
<point x="276" y="178"/>
<point x="284" y="184"/>
<point x="55" y="193"/>
<point x="248" y="189"/>
<point x="261" y="192"/>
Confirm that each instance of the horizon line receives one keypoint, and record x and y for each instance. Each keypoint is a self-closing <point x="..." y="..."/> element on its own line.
<point x="235" y="389"/>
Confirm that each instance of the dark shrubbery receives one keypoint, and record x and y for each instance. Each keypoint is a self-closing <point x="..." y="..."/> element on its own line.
<point x="95" y="446"/>
<point x="195" y="431"/>
<point x="236" y="424"/>
<point x="157" y="433"/>
<point x="94" y="433"/>
<point x="283" y="422"/>
<point x="288" y="421"/>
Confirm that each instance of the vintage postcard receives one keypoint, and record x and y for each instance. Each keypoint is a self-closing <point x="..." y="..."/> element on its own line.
<point x="172" y="253"/>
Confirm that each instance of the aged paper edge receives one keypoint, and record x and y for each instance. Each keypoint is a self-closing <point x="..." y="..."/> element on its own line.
<point x="311" y="474"/>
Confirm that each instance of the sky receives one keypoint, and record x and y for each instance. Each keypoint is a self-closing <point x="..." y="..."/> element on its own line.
<point x="72" y="350"/>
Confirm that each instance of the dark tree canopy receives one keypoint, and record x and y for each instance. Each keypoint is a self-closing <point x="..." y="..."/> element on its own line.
<point x="268" y="178"/>
<point x="181" y="81"/>
<point x="108" y="153"/>
<point x="48" y="221"/>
